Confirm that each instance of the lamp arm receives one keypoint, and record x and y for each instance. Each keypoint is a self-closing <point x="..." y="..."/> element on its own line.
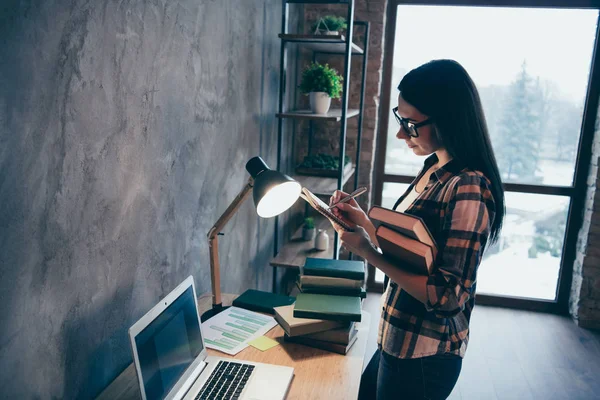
<point x="213" y="242"/>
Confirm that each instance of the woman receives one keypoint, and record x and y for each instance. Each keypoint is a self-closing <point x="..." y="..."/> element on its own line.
<point x="424" y="326"/>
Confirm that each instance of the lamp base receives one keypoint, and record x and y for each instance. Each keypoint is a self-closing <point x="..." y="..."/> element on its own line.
<point x="216" y="308"/>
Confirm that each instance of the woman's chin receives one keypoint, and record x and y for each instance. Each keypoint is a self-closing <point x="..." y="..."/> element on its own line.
<point x="417" y="150"/>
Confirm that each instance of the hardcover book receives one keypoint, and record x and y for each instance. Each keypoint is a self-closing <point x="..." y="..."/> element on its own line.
<point x="257" y="300"/>
<point x="339" y="335"/>
<point x="319" y="281"/>
<point x="360" y="292"/>
<point x="301" y="326"/>
<point x="406" y="224"/>
<point x="323" y="345"/>
<point x="348" y="269"/>
<point x="329" y="307"/>
<point x="410" y="253"/>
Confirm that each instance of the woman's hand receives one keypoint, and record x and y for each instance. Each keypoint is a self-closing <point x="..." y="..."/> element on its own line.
<point x="358" y="241"/>
<point x="349" y="212"/>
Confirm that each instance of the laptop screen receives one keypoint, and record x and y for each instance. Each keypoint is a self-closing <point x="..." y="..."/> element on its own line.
<point x="168" y="346"/>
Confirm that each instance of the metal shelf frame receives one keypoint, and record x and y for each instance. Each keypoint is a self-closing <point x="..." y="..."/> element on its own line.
<point x="336" y="45"/>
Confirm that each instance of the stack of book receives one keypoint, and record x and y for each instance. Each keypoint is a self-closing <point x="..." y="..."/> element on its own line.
<point x="336" y="277"/>
<point x="405" y="239"/>
<point x="327" y="308"/>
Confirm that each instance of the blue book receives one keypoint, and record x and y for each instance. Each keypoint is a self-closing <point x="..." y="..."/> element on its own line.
<point x="348" y="269"/>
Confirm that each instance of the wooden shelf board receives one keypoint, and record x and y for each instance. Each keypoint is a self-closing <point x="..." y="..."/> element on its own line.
<point x="335" y="44"/>
<point x="294" y="253"/>
<point x="322" y="186"/>
<point x="332" y="114"/>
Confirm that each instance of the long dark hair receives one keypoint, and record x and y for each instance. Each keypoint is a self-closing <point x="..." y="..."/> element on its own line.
<point x="444" y="91"/>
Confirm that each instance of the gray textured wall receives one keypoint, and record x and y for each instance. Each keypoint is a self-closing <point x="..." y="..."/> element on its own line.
<point x="124" y="131"/>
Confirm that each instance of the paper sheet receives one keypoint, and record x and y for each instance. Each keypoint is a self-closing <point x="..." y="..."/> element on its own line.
<point x="231" y="330"/>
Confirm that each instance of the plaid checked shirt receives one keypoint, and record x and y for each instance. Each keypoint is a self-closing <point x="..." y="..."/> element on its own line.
<point x="458" y="208"/>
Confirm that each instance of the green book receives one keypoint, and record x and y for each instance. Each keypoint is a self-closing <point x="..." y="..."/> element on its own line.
<point x="302" y="326"/>
<point x="321" y="344"/>
<point x="325" y="306"/>
<point x="257" y="300"/>
<point x="348" y="269"/>
<point x="360" y="292"/>
<point x="338" y="335"/>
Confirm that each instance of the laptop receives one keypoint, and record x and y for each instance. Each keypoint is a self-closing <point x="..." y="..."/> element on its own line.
<point x="172" y="363"/>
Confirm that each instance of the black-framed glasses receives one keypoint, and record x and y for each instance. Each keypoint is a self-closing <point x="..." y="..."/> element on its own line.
<point x="410" y="127"/>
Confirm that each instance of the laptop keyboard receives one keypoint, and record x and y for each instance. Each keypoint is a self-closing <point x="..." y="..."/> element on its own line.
<point x="226" y="381"/>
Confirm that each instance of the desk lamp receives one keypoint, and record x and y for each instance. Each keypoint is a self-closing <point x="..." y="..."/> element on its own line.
<point x="273" y="194"/>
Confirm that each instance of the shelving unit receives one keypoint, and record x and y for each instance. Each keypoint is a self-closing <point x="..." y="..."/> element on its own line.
<point x="332" y="115"/>
<point x="323" y="186"/>
<point x="331" y="44"/>
<point x="293" y="253"/>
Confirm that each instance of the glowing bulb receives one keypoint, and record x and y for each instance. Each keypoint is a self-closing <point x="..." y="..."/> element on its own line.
<point x="278" y="199"/>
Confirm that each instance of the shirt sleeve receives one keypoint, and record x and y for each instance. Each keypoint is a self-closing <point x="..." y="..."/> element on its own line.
<point x="466" y="222"/>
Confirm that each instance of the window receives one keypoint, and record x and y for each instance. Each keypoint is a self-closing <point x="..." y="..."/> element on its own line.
<point x="533" y="85"/>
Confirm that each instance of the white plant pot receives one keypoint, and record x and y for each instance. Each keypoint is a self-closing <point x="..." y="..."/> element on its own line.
<point x="329" y="33"/>
<point x="319" y="102"/>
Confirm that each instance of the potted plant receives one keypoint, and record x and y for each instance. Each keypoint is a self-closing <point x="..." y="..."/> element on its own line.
<point x="322" y="84"/>
<point x="308" y="230"/>
<point x="322" y="165"/>
<point x="329" y="25"/>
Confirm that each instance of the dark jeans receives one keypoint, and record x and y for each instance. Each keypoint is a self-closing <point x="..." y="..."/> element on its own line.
<point x="428" y="378"/>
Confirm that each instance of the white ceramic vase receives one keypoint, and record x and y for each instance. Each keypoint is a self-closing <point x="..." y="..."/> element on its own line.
<point x="319" y="102"/>
<point x="322" y="240"/>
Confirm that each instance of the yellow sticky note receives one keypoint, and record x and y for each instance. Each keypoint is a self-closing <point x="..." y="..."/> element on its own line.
<point x="263" y="343"/>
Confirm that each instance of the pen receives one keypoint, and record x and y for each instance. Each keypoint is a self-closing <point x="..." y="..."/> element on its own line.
<point x="352" y="195"/>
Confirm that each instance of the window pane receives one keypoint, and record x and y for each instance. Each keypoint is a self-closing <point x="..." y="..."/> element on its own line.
<point x="532" y="82"/>
<point x="525" y="261"/>
<point x="392" y="192"/>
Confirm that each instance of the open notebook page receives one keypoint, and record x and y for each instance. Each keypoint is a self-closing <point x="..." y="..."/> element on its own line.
<point x="323" y="208"/>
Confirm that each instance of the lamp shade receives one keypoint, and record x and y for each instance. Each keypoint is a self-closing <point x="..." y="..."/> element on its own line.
<point x="273" y="191"/>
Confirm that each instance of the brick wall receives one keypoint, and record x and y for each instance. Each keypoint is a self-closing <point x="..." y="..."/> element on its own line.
<point x="326" y="135"/>
<point x="584" y="302"/>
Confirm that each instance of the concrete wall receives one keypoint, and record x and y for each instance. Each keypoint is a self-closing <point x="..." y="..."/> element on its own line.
<point x="124" y="131"/>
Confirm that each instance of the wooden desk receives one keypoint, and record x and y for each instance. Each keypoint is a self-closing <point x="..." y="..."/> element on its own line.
<point x="318" y="374"/>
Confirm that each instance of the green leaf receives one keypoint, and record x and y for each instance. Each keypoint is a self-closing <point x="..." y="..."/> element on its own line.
<point x="321" y="78"/>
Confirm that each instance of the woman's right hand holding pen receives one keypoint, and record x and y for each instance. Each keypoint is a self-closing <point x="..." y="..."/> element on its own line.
<point x="351" y="213"/>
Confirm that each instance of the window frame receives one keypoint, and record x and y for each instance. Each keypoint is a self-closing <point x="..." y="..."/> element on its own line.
<point x="576" y="192"/>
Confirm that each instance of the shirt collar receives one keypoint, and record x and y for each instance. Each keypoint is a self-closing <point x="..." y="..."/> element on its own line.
<point x="446" y="171"/>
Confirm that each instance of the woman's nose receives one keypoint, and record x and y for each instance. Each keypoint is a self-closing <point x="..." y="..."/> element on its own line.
<point x="402" y="134"/>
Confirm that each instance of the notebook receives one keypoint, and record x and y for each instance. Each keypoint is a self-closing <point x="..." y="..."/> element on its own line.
<point x="323" y="208"/>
